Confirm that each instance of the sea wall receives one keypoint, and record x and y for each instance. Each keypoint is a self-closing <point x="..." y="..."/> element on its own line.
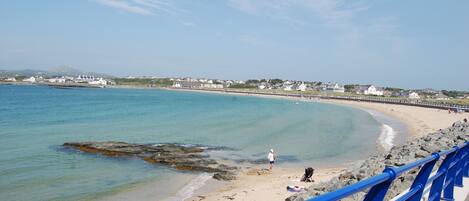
<point x="411" y="151"/>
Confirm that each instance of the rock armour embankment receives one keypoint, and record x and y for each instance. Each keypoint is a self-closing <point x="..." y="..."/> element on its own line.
<point x="411" y="151"/>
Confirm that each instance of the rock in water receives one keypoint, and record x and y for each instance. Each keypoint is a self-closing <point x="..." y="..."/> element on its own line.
<point x="187" y="158"/>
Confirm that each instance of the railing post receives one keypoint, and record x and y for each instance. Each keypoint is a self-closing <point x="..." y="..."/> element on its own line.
<point x="466" y="162"/>
<point x="437" y="184"/>
<point x="378" y="192"/>
<point x="448" y="190"/>
<point x="460" y="167"/>
<point x="422" y="178"/>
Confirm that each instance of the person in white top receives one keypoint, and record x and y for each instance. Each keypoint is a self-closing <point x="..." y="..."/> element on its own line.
<point x="271" y="158"/>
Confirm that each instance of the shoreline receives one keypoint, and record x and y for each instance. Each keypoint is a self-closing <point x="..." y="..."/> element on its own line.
<point x="257" y="187"/>
<point x="418" y="120"/>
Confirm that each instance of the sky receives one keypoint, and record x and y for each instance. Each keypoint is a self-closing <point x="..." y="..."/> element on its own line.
<point x="409" y="44"/>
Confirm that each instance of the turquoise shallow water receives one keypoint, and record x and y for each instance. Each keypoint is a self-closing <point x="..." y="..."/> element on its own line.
<point x="36" y="120"/>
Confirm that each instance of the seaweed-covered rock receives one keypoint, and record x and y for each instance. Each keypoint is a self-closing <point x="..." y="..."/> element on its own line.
<point x="180" y="157"/>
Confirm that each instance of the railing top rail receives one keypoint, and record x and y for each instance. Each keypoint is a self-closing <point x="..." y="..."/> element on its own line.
<point x="355" y="188"/>
<point x="446" y="152"/>
<point x="409" y="166"/>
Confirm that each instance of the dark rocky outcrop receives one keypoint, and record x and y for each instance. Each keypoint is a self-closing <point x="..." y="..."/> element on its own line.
<point x="180" y="157"/>
<point x="411" y="151"/>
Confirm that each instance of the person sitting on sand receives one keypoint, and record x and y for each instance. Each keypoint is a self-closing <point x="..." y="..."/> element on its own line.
<point x="271" y="158"/>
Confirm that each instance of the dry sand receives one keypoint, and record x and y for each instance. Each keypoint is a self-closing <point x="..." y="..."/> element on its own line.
<point x="251" y="186"/>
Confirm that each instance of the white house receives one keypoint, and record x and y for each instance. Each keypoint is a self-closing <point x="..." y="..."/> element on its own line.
<point x="414" y="95"/>
<point x="441" y="96"/>
<point x="370" y="90"/>
<point x="87" y="78"/>
<point x="301" y="87"/>
<point x="212" y="86"/>
<point x="288" y="87"/>
<point x="187" y="84"/>
<point x="57" y="80"/>
<point x="261" y="86"/>
<point x="100" y="81"/>
<point x="31" y="79"/>
<point x="11" y="79"/>
<point x="337" y="88"/>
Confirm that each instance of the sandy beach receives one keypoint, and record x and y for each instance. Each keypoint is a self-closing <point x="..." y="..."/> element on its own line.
<point x="420" y="120"/>
<point x="272" y="186"/>
<point x="253" y="187"/>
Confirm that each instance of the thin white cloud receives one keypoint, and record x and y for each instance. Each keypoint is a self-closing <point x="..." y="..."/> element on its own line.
<point x="125" y="6"/>
<point x="330" y="11"/>
<point x="276" y="9"/>
<point x="342" y="16"/>
<point x="142" y="7"/>
<point x="158" y="5"/>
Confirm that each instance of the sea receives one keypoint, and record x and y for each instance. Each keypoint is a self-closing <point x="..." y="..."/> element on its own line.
<point x="36" y="120"/>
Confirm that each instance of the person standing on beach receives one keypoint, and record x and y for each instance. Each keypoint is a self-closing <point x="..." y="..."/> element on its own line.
<point x="271" y="156"/>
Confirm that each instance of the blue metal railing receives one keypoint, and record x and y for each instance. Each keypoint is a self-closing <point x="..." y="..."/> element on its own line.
<point x="450" y="173"/>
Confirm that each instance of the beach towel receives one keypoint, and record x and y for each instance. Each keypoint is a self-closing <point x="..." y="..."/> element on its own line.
<point x="295" y="188"/>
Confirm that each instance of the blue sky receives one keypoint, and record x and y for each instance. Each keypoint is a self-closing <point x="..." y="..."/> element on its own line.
<point x="411" y="44"/>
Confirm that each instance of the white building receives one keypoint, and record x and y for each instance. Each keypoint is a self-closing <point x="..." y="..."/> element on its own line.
<point x="414" y="95"/>
<point x="187" y="84"/>
<point x="57" y="80"/>
<point x="99" y="81"/>
<point x="370" y="90"/>
<point x="301" y="87"/>
<point x="212" y="86"/>
<point x="288" y="87"/>
<point x="11" y="79"/>
<point x="261" y="86"/>
<point x="441" y="96"/>
<point x="86" y="78"/>
<point x="337" y="88"/>
<point x="31" y="79"/>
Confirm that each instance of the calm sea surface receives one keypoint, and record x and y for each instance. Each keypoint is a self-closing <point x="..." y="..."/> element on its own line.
<point x="36" y="120"/>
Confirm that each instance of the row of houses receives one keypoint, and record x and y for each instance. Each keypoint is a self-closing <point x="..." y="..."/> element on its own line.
<point x="82" y="79"/>
<point x="196" y="85"/>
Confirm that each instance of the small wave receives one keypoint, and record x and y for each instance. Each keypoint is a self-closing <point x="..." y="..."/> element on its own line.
<point x="386" y="137"/>
<point x="189" y="189"/>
